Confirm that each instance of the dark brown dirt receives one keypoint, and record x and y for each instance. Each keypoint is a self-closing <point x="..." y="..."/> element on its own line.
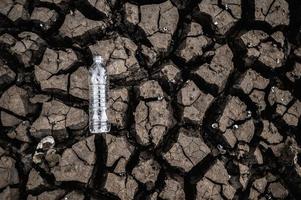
<point x="205" y="99"/>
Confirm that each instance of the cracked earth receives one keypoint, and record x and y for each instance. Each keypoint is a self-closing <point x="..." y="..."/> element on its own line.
<point x="205" y="99"/>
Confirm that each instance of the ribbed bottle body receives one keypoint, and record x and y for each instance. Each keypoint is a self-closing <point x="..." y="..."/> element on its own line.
<point x="98" y="97"/>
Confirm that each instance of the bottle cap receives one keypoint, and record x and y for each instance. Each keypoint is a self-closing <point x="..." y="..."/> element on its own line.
<point x="97" y="59"/>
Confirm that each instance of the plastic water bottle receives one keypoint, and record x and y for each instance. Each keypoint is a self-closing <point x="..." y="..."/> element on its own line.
<point x="98" y="89"/>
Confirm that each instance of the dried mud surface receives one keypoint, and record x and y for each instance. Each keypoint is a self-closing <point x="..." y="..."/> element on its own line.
<point x="205" y="99"/>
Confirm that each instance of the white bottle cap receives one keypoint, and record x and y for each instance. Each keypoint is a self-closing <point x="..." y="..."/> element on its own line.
<point x="97" y="59"/>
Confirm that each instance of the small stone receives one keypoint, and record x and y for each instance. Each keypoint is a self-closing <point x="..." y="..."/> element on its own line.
<point x="214" y="125"/>
<point x="215" y="23"/>
<point x="235" y="126"/>
<point x="249" y="113"/>
<point x="160" y="98"/>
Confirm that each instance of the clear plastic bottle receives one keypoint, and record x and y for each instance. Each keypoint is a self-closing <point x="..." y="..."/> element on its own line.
<point x="98" y="92"/>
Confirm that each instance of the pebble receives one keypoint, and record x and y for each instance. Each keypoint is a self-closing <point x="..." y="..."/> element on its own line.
<point x="214" y="125"/>
<point x="249" y="114"/>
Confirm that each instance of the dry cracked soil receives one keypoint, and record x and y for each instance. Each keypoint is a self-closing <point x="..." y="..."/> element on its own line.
<point x="205" y="99"/>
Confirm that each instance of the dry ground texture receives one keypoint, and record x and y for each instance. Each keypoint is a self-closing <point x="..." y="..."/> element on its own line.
<point x="205" y="99"/>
